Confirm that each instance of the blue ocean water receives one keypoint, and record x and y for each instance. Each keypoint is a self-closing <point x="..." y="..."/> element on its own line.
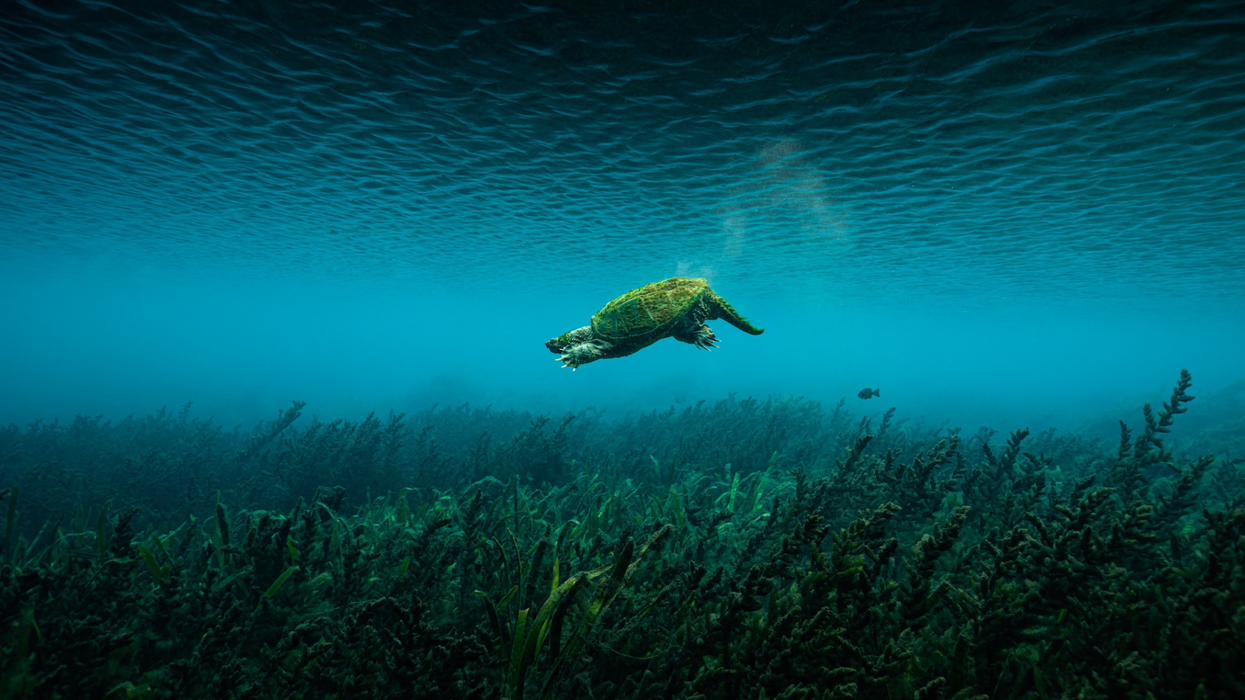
<point x="999" y="213"/>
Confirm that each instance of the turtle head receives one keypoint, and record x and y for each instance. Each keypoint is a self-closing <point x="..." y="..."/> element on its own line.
<point x="578" y="347"/>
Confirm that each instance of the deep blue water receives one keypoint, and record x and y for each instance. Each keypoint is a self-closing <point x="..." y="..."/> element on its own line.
<point x="1000" y="213"/>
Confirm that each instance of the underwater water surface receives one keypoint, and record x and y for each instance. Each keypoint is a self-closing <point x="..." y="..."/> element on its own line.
<point x="278" y="420"/>
<point x="382" y="205"/>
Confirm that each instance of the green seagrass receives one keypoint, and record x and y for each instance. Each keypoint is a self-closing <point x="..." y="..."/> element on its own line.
<point x="672" y="308"/>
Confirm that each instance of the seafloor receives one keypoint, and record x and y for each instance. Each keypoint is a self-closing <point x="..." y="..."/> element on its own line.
<point x="741" y="549"/>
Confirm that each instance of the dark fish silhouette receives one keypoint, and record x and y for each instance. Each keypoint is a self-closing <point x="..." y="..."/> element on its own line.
<point x="869" y="393"/>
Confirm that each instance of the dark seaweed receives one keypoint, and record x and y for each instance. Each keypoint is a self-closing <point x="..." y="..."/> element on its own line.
<point x="743" y="549"/>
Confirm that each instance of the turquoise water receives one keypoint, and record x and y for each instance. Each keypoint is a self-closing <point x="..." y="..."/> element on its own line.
<point x="1001" y="214"/>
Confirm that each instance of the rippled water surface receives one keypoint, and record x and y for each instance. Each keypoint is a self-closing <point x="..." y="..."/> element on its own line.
<point x="951" y="148"/>
<point x="930" y="159"/>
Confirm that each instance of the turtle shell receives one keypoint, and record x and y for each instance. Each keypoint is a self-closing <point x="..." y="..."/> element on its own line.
<point x="651" y="312"/>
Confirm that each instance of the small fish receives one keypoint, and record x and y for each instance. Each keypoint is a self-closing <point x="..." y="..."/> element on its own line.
<point x="869" y="393"/>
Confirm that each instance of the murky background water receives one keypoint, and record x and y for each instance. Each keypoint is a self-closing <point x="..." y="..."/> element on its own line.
<point x="1000" y="213"/>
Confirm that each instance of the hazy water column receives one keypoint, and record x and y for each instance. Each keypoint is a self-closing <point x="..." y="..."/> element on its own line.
<point x="378" y="206"/>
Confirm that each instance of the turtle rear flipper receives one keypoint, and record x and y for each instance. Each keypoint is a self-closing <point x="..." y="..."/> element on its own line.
<point x="727" y="313"/>
<point x="701" y="336"/>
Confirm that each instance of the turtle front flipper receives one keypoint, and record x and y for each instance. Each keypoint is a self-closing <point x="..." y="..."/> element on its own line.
<point x="702" y="337"/>
<point x="720" y="309"/>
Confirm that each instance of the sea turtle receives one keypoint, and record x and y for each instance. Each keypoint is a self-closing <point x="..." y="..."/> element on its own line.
<point x="677" y="308"/>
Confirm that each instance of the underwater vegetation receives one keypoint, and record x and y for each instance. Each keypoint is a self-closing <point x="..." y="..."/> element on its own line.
<point x="743" y="549"/>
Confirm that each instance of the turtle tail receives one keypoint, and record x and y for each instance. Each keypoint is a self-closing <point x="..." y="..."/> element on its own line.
<point x="728" y="313"/>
